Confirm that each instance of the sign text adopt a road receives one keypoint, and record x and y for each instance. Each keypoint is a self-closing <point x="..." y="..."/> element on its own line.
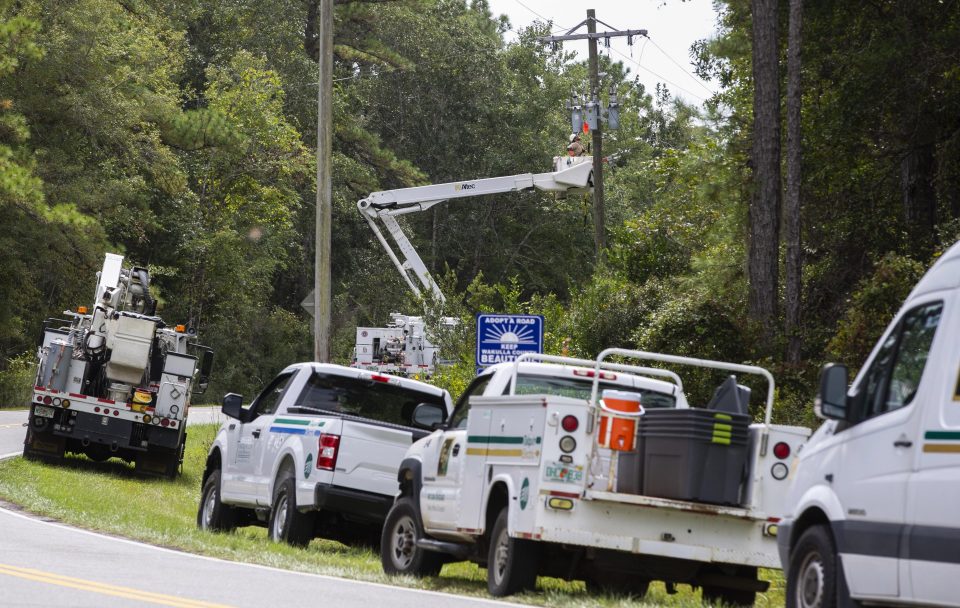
<point x="505" y="337"/>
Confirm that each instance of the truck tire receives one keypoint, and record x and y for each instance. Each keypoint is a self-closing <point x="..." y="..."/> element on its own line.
<point x="812" y="581"/>
<point x="287" y="524"/>
<point x="512" y="563"/>
<point x="399" y="553"/>
<point x="213" y="515"/>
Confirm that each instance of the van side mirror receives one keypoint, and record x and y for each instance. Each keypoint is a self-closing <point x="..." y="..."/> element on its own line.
<point x="428" y="416"/>
<point x="233" y="406"/>
<point x="831" y="401"/>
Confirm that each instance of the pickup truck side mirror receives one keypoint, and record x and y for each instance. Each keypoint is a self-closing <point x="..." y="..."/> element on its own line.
<point x="831" y="401"/>
<point x="233" y="406"/>
<point x="428" y="416"/>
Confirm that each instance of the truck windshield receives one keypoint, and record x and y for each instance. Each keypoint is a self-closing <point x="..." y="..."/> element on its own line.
<point x="578" y="388"/>
<point x="365" y="398"/>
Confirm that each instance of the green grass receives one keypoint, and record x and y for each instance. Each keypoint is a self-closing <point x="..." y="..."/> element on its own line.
<point x="108" y="497"/>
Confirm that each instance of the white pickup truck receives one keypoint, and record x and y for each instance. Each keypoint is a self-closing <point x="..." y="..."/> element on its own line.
<point x="516" y="481"/>
<point x="874" y="506"/>
<point x="316" y="453"/>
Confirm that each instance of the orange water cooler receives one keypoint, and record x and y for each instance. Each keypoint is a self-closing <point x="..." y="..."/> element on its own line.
<point x="619" y="412"/>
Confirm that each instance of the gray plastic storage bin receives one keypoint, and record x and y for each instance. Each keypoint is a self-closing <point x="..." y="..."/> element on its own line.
<point x="630" y="470"/>
<point x="696" y="455"/>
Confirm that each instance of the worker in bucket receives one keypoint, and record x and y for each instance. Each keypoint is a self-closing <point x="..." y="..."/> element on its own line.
<point x="575" y="148"/>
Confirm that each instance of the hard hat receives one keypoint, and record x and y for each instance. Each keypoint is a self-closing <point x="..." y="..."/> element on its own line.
<point x="574" y="137"/>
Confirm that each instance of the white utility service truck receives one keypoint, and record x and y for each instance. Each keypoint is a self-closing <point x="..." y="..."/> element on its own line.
<point x="873" y="512"/>
<point x="402" y="347"/>
<point x="525" y="480"/>
<point x="115" y="380"/>
<point x="316" y="453"/>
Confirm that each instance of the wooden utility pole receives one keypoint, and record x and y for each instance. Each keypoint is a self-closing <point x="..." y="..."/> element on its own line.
<point x="599" y="219"/>
<point x="599" y="216"/>
<point x="321" y="276"/>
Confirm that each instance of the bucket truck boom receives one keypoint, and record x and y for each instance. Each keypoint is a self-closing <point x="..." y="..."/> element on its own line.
<point x="402" y="347"/>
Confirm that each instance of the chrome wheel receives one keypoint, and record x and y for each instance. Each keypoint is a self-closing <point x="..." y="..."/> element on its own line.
<point x="403" y="542"/>
<point x="209" y="505"/>
<point x="501" y="556"/>
<point x="280" y="520"/>
<point x="810" y="585"/>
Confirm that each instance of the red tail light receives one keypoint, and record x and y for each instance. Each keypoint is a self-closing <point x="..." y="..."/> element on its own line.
<point x="781" y="450"/>
<point x="327" y="458"/>
<point x="570" y="423"/>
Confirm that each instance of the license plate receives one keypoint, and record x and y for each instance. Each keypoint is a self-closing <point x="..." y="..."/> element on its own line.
<point x="43" y="411"/>
<point x="556" y="471"/>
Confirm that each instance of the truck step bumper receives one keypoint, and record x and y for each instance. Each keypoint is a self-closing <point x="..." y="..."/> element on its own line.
<point x="438" y="546"/>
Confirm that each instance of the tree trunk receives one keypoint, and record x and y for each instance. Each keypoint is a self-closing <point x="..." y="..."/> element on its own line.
<point x="792" y="203"/>
<point x="763" y="248"/>
<point x="919" y="197"/>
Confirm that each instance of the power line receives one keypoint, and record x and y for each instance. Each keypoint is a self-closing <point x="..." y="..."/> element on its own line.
<point x="663" y="78"/>
<point x="676" y="63"/>
<point x="539" y="15"/>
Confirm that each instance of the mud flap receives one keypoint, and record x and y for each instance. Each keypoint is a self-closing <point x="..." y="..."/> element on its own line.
<point x="43" y="446"/>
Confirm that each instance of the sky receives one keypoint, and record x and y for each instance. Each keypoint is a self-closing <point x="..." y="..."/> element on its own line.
<point x="672" y="26"/>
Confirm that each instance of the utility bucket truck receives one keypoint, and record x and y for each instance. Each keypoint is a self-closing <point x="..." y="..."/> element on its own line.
<point x="403" y="347"/>
<point x="116" y="381"/>
<point x="597" y="471"/>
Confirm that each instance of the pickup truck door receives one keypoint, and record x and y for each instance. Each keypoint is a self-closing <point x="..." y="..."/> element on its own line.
<point x="245" y="468"/>
<point x="443" y="461"/>
<point x="931" y="568"/>
<point x="878" y="456"/>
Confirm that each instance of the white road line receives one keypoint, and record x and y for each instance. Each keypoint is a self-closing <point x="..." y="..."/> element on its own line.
<point x="258" y="566"/>
<point x="10" y="455"/>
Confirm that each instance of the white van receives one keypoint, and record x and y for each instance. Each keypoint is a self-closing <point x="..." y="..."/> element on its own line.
<point x="874" y="507"/>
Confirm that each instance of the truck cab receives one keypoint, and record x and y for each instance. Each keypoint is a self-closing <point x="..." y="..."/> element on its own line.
<point x="873" y="503"/>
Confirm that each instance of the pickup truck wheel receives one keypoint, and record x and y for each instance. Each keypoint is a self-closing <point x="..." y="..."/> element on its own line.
<point x="287" y="524"/>
<point x="214" y="515"/>
<point x="399" y="553"/>
<point x="812" y="579"/>
<point x="512" y="563"/>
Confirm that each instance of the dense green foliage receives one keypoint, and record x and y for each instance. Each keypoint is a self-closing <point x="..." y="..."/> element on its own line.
<point x="182" y="134"/>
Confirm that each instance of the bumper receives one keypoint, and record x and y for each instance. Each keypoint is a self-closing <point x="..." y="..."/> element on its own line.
<point x="352" y="504"/>
<point x="784" y="532"/>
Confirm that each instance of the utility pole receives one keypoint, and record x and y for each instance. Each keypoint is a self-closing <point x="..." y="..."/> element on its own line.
<point x="321" y="270"/>
<point x="599" y="219"/>
<point x="599" y="214"/>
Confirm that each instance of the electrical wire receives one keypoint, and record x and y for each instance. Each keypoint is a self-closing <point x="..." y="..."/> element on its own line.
<point x="663" y="78"/>
<point x="550" y="20"/>
<point x="676" y="63"/>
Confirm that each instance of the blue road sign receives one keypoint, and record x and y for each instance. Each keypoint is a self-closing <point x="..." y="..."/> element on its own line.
<point x="504" y="337"/>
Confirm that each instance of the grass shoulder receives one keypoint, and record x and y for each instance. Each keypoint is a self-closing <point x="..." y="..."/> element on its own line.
<point x="163" y="513"/>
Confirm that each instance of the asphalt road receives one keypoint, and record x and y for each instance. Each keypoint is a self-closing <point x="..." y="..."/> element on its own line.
<point x="49" y="564"/>
<point x="12" y="430"/>
<point x="44" y="563"/>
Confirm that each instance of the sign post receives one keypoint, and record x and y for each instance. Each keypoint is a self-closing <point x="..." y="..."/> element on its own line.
<point x="503" y="338"/>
